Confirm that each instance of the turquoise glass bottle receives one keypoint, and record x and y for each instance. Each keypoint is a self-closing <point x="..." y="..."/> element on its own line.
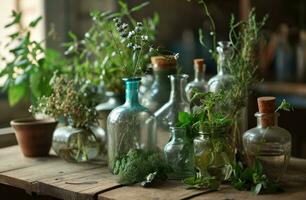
<point x="130" y="126"/>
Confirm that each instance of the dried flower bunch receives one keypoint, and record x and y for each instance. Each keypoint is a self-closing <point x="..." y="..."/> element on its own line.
<point x="71" y="99"/>
<point x="136" y="44"/>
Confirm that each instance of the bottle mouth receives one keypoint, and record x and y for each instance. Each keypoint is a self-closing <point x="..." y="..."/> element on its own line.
<point x="178" y="76"/>
<point x="132" y="79"/>
<point x="265" y="115"/>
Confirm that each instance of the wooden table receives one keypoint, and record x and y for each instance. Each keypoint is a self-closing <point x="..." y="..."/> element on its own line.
<point x="54" y="177"/>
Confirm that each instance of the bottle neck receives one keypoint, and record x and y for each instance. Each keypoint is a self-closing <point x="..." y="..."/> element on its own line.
<point x="131" y="91"/>
<point x="265" y="120"/>
<point x="198" y="75"/>
<point x="177" y="133"/>
<point x="161" y="76"/>
<point x="178" y="84"/>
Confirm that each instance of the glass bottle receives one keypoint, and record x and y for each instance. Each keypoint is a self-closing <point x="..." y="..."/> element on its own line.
<point x="159" y="92"/>
<point x="168" y="114"/>
<point x="179" y="154"/>
<point x="223" y="79"/>
<point x="213" y="154"/>
<point x="112" y="100"/>
<point x="268" y="143"/>
<point x="199" y="83"/>
<point x="130" y="126"/>
<point x="79" y="144"/>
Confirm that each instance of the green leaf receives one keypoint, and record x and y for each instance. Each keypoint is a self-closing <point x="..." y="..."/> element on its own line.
<point x="257" y="188"/>
<point x="16" y="19"/>
<point x="184" y="117"/>
<point x="16" y="93"/>
<point x="35" y="84"/>
<point x="140" y="6"/>
<point x="35" y="21"/>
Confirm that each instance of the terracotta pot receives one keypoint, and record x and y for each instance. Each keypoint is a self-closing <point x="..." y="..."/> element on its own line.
<point x="34" y="136"/>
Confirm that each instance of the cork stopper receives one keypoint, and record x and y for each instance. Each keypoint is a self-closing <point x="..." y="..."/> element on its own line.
<point x="163" y="62"/>
<point x="266" y="104"/>
<point x="199" y="64"/>
<point x="266" y="107"/>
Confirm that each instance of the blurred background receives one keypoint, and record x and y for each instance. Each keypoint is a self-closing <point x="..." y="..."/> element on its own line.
<point x="281" y="52"/>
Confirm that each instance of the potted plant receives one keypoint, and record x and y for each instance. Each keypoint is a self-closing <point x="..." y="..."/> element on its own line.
<point x="72" y="101"/>
<point x="34" y="136"/>
<point x="27" y="70"/>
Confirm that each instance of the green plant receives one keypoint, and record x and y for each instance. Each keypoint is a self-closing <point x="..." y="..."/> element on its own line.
<point x="29" y="67"/>
<point x="252" y="178"/>
<point x="206" y="117"/>
<point x="202" y="182"/>
<point x="284" y="106"/>
<point x="140" y="166"/>
<point x="115" y="47"/>
<point x="72" y="99"/>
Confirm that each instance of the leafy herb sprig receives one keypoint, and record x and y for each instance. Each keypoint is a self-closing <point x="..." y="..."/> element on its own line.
<point x="253" y="179"/>
<point x="284" y="106"/>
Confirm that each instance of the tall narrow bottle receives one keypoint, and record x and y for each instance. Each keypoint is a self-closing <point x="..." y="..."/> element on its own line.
<point x="223" y="79"/>
<point x="268" y="143"/>
<point x="168" y="114"/>
<point x="159" y="92"/>
<point x="198" y="84"/>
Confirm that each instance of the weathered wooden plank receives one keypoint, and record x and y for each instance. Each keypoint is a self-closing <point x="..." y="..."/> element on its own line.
<point x="82" y="185"/>
<point x="294" y="182"/>
<point x="27" y="178"/>
<point x="171" y="190"/>
<point x="7" y="137"/>
<point x="12" y="158"/>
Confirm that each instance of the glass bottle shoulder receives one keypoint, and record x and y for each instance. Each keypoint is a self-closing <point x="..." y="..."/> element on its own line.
<point x="269" y="134"/>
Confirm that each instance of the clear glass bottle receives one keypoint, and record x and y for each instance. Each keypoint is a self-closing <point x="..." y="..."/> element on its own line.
<point x="213" y="154"/>
<point x="179" y="154"/>
<point x="223" y="79"/>
<point x="78" y="144"/>
<point x="268" y="143"/>
<point x="199" y="82"/>
<point x="130" y="126"/>
<point x="168" y="114"/>
<point x="112" y="100"/>
<point x="159" y="92"/>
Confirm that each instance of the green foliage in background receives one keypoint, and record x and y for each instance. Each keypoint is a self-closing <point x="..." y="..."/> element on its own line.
<point x="29" y="67"/>
<point x="115" y="47"/>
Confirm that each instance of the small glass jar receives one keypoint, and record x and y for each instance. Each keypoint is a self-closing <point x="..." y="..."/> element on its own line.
<point x="179" y="154"/>
<point x="199" y="84"/>
<point x="78" y="144"/>
<point x="213" y="155"/>
<point x="130" y="126"/>
<point x="223" y="79"/>
<point x="168" y="114"/>
<point x="269" y="144"/>
<point x="159" y="92"/>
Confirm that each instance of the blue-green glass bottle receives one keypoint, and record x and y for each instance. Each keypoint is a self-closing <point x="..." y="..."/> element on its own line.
<point x="130" y="126"/>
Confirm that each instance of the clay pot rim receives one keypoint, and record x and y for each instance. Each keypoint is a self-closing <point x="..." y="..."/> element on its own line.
<point x="32" y="121"/>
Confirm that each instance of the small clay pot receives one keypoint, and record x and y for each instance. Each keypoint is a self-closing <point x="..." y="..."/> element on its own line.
<point x="34" y="136"/>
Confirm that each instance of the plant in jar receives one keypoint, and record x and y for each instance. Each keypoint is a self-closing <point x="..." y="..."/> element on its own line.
<point x="207" y="127"/>
<point x="131" y="125"/>
<point x="73" y="102"/>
